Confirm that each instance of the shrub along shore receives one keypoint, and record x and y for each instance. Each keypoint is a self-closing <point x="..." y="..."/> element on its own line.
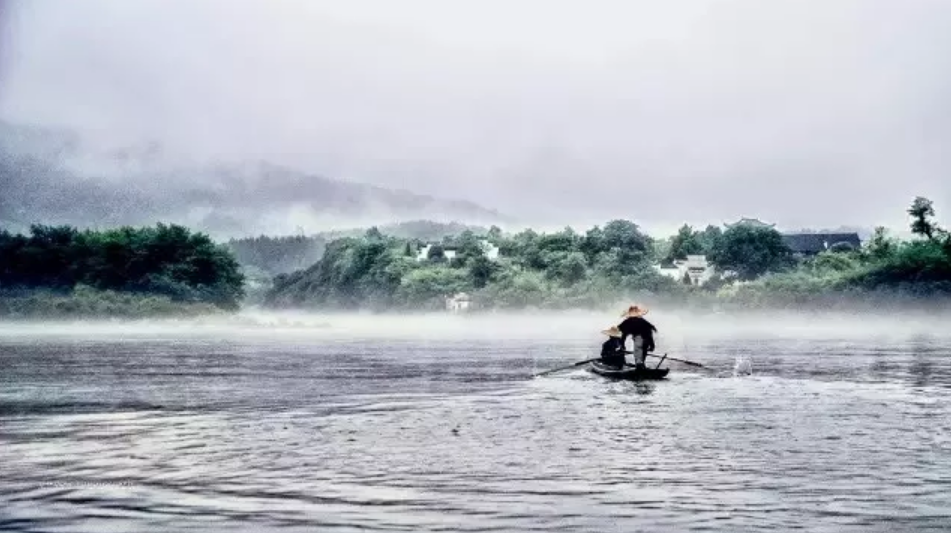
<point x="616" y="262"/>
<point x="153" y="271"/>
<point x="167" y="270"/>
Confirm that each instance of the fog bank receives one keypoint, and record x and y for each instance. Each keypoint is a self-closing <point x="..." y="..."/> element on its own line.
<point x="676" y="328"/>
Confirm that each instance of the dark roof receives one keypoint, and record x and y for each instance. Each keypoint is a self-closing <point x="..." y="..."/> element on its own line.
<point x="817" y="242"/>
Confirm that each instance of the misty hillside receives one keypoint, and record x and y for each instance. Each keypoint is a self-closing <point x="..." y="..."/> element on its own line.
<point x="49" y="176"/>
<point x="273" y="255"/>
<point x="423" y="230"/>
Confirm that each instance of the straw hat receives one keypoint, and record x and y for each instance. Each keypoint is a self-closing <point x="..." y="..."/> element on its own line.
<point x="613" y="331"/>
<point x="634" y="311"/>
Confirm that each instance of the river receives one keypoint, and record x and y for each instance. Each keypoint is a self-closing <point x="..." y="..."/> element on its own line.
<point x="436" y="424"/>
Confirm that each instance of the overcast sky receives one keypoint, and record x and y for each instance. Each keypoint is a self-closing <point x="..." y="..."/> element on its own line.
<point x="808" y="113"/>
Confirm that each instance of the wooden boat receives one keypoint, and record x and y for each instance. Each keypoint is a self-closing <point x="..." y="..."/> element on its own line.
<point x="628" y="373"/>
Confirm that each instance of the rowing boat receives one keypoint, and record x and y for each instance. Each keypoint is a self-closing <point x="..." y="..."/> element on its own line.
<point x="628" y="373"/>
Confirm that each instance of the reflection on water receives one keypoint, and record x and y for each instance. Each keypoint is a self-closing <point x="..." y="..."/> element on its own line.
<point x="643" y="388"/>
<point x="251" y="434"/>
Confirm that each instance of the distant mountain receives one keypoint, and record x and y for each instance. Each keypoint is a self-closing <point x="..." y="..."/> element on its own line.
<point x="278" y="255"/>
<point x="50" y="176"/>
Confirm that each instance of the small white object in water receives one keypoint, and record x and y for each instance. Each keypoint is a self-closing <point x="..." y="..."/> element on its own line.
<point x="743" y="367"/>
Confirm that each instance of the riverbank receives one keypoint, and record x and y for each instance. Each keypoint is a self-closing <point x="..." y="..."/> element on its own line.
<point x="87" y="303"/>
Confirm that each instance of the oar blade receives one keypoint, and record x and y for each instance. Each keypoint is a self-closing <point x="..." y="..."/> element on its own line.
<point x="684" y="361"/>
<point x="559" y="369"/>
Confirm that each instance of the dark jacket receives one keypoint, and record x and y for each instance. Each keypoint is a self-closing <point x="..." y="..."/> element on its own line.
<point x="612" y="351"/>
<point x="636" y="325"/>
<point x="612" y="346"/>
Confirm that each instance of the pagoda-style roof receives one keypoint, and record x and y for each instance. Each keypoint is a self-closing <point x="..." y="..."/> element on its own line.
<point x="751" y="222"/>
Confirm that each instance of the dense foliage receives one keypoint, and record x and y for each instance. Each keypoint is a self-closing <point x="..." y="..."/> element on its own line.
<point x="166" y="260"/>
<point x="884" y="271"/>
<point x="687" y="241"/>
<point x="561" y="269"/>
<point x="617" y="261"/>
<point x="750" y="251"/>
<point x="270" y="256"/>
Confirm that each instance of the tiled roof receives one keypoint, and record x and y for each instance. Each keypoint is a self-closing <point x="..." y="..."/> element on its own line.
<point x="818" y="242"/>
<point x="751" y="222"/>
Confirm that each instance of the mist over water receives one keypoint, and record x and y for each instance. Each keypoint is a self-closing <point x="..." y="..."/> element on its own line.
<point x="434" y="423"/>
<point x="676" y="326"/>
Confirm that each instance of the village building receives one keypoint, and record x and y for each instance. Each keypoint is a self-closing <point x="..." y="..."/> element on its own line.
<point x="699" y="270"/>
<point x="756" y="223"/>
<point x="696" y="268"/>
<point x="810" y="244"/>
<point x="458" y="303"/>
<point x="490" y="250"/>
<point x="447" y="251"/>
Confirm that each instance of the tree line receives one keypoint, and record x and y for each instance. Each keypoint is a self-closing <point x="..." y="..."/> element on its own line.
<point x="267" y="255"/>
<point x="572" y="269"/>
<point x="166" y="260"/>
<point x="560" y="269"/>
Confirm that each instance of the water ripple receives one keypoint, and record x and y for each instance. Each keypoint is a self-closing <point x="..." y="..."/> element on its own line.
<point x="249" y="436"/>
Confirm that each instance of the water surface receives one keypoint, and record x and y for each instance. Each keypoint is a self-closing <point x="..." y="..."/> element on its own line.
<point x="256" y="429"/>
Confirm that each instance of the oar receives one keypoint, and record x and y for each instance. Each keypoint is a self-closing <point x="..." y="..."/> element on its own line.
<point x="684" y="361"/>
<point x="579" y="363"/>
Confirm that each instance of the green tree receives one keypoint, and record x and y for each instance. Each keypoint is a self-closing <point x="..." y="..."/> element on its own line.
<point x="426" y="287"/>
<point x="568" y="267"/>
<point x="751" y="251"/>
<point x="831" y="261"/>
<point x="922" y="215"/>
<point x="593" y="243"/>
<point x="495" y="235"/>
<point x="708" y="239"/>
<point x="469" y="247"/>
<point x="627" y="250"/>
<point x="167" y="259"/>
<point x="881" y="247"/>
<point x="481" y="270"/>
<point x="685" y="242"/>
<point x="437" y="253"/>
<point x="374" y="234"/>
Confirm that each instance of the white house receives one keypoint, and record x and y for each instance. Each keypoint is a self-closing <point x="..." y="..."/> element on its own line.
<point x="423" y="253"/>
<point x="491" y="251"/>
<point x="695" y="266"/>
<point x="458" y="303"/>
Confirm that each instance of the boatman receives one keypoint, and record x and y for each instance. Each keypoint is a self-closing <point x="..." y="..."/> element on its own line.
<point x="640" y="330"/>
<point x="612" y="351"/>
